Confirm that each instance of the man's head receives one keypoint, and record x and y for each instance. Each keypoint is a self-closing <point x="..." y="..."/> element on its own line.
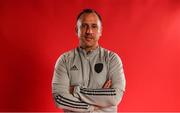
<point x="89" y="28"/>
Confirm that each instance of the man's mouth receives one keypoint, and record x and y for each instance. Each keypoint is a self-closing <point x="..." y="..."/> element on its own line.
<point x="88" y="38"/>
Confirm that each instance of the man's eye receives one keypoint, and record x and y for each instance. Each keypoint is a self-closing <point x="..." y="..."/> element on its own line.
<point x="94" y="26"/>
<point x="83" y="26"/>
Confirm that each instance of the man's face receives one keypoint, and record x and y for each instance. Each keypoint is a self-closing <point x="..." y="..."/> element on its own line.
<point x="89" y="30"/>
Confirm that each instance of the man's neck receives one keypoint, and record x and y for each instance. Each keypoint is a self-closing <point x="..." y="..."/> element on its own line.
<point x="88" y="49"/>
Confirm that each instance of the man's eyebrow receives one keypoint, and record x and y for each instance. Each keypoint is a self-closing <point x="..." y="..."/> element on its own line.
<point x="89" y="23"/>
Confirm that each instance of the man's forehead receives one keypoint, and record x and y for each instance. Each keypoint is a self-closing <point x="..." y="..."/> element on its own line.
<point x="89" y="17"/>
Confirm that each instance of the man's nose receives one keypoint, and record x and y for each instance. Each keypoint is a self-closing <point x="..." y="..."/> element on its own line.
<point x="89" y="30"/>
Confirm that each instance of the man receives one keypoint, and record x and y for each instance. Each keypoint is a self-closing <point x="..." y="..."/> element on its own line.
<point x="88" y="78"/>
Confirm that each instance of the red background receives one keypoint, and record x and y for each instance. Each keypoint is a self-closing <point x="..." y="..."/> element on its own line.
<point x="145" y="33"/>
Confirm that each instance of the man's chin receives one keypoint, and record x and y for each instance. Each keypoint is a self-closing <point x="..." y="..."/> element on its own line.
<point x="88" y="44"/>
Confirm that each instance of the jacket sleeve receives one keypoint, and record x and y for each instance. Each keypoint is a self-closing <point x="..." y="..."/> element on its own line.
<point x="110" y="96"/>
<point x="60" y="90"/>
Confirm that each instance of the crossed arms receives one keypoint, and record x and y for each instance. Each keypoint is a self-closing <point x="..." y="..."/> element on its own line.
<point x="77" y="98"/>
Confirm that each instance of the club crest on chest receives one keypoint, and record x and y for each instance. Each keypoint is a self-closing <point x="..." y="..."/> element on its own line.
<point x="98" y="67"/>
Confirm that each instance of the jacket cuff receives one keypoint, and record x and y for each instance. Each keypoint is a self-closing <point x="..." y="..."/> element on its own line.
<point x="76" y="91"/>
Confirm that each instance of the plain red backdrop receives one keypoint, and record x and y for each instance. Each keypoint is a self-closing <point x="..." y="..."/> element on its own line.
<point x="145" y="33"/>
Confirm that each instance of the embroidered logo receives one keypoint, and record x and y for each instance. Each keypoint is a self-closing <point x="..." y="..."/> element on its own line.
<point x="74" y="68"/>
<point x="98" y="67"/>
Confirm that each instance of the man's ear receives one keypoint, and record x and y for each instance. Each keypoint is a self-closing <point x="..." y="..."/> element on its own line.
<point x="101" y="31"/>
<point x="76" y="29"/>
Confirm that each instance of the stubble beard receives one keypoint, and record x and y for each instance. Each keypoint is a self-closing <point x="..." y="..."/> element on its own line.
<point x="87" y="46"/>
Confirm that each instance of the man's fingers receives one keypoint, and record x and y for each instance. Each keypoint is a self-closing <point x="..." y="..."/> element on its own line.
<point x="71" y="89"/>
<point x="107" y="84"/>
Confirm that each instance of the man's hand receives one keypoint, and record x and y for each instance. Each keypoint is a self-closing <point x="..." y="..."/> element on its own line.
<point x="107" y="84"/>
<point x="71" y="89"/>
